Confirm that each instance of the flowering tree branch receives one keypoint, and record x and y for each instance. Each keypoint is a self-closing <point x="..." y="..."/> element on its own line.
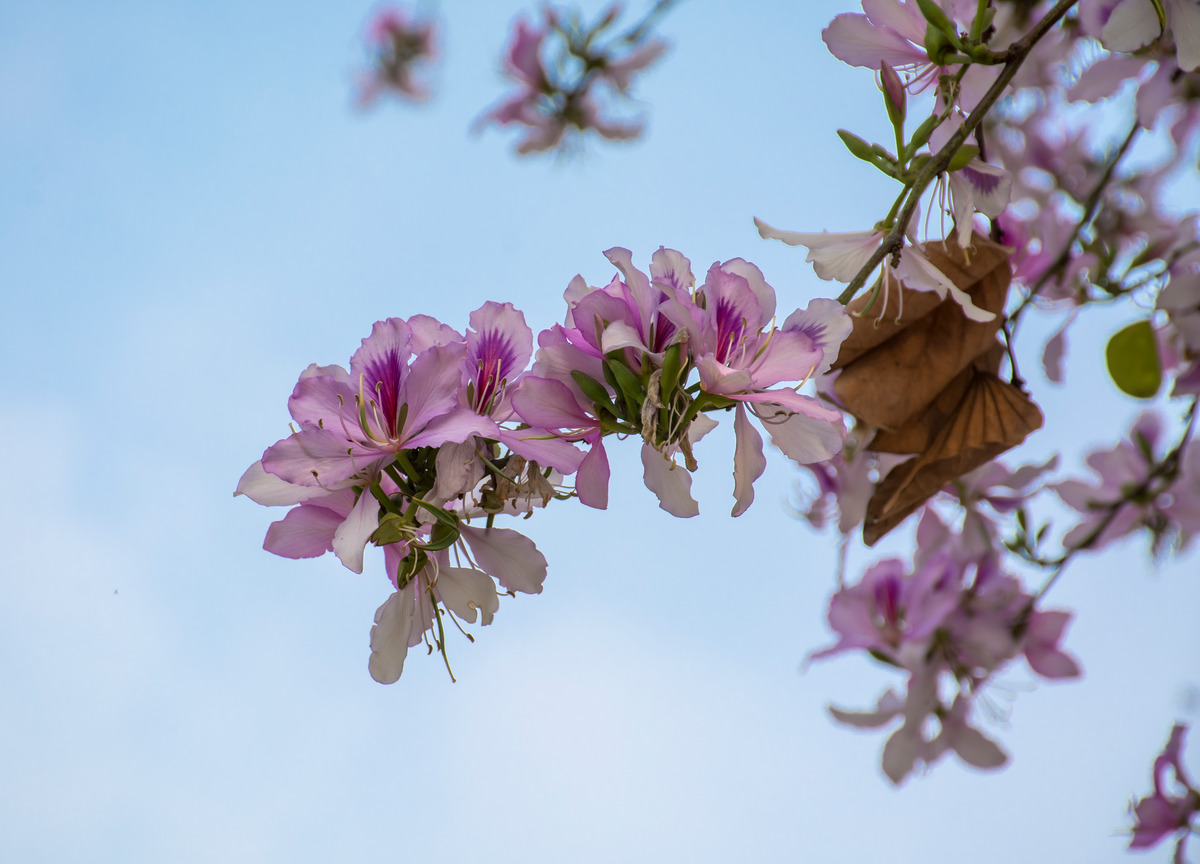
<point x="1012" y="59"/>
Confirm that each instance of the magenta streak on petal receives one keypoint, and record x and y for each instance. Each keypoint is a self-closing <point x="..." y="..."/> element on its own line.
<point x="383" y="377"/>
<point x="985" y="183"/>
<point x="887" y="604"/>
<point x="493" y="359"/>
<point x="731" y="329"/>
<point x="664" y="330"/>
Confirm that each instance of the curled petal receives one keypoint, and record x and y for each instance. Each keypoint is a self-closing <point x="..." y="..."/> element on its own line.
<point x="271" y="491"/>
<point x="591" y="480"/>
<point x="350" y="538"/>
<point x="748" y="461"/>
<point x="838" y="257"/>
<point x="887" y="709"/>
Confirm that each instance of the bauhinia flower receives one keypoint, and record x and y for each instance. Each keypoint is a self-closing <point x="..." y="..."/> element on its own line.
<point x="950" y="624"/>
<point x="840" y="257"/>
<point x="553" y="102"/>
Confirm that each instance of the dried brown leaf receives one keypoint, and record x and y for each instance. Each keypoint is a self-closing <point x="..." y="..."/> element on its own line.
<point x="892" y="372"/>
<point x="991" y="417"/>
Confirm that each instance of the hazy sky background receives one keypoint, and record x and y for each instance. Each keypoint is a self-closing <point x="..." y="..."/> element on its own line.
<point x="191" y="212"/>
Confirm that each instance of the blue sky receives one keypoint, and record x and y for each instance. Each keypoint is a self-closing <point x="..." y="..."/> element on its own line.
<point x="191" y="212"/>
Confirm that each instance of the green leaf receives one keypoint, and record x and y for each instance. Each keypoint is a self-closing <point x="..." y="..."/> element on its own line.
<point x="1133" y="362"/>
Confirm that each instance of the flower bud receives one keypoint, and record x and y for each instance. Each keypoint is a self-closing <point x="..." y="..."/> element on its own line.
<point x="893" y="95"/>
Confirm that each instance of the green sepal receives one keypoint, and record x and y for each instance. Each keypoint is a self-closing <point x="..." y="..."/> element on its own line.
<point x="627" y="383"/>
<point x="940" y="21"/>
<point x="718" y="402"/>
<point x="857" y="146"/>
<point x="921" y="136"/>
<point x="938" y="46"/>
<point x="441" y="537"/>
<point x="410" y="565"/>
<point x="392" y="529"/>
<point x="672" y="367"/>
<point x="1133" y="361"/>
<point x="442" y="517"/>
<point x="592" y="388"/>
<point x="965" y="154"/>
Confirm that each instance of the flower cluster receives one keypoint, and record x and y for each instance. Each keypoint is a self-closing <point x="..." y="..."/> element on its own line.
<point x="950" y="625"/>
<point x="566" y="79"/>
<point x="432" y="434"/>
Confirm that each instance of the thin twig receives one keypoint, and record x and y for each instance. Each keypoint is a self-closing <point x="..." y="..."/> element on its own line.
<point x="1089" y="210"/>
<point x="1014" y="57"/>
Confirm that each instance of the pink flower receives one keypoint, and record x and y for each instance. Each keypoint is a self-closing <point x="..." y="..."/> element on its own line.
<point x="1112" y="506"/>
<point x="1127" y="25"/>
<point x="1161" y="814"/>
<point x="554" y="102"/>
<point x="841" y="256"/>
<point x="400" y="46"/>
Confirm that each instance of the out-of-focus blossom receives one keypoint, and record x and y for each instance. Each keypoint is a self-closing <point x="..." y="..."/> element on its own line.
<point x="1123" y="498"/>
<point x="1128" y="25"/>
<point x="951" y="624"/>
<point x="402" y="49"/>
<point x="1162" y="814"/>
<point x="574" y="94"/>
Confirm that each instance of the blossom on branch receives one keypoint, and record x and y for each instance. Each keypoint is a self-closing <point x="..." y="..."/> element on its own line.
<point x="1160" y="814"/>
<point x="401" y="48"/>
<point x="567" y="81"/>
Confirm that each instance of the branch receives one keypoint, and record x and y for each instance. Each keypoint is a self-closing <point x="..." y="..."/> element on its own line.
<point x="1089" y="210"/>
<point x="1014" y="57"/>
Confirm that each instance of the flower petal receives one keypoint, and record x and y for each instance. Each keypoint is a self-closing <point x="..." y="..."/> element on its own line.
<point x="670" y="482"/>
<point x="390" y="635"/>
<point x="748" y="461"/>
<point x="509" y="556"/>
<point x="468" y="593"/>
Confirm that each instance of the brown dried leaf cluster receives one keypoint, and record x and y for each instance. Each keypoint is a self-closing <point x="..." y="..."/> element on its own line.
<point x="926" y="377"/>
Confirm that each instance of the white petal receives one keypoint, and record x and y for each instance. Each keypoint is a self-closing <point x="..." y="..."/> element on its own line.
<point x="670" y="482"/>
<point x="271" y="491"/>
<point x="1131" y="25"/>
<point x="1185" y="25"/>
<point x="466" y="591"/>
<point x="390" y="635"/>
<point x="509" y="556"/>
<point x="834" y="256"/>
<point x="748" y="461"/>
<point x="900" y="754"/>
<point x="350" y="539"/>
